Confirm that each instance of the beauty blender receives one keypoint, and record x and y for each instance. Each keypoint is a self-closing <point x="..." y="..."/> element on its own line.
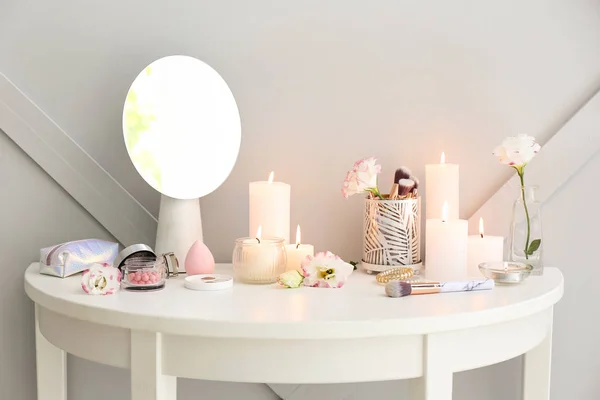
<point x="199" y="260"/>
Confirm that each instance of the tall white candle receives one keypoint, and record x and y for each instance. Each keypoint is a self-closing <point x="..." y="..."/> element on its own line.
<point x="446" y="247"/>
<point x="270" y="207"/>
<point x="441" y="184"/>
<point x="296" y="253"/>
<point x="483" y="248"/>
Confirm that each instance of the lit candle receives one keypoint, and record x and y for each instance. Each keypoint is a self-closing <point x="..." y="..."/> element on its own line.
<point x="483" y="249"/>
<point x="441" y="184"/>
<point x="446" y="247"/>
<point x="259" y="259"/>
<point x="270" y="207"/>
<point x="296" y="253"/>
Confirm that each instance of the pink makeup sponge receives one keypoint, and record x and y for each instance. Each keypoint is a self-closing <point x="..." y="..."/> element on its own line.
<point x="199" y="260"/>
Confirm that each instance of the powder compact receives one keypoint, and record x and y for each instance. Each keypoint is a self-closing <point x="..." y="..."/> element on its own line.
<point x="208" y="282"/>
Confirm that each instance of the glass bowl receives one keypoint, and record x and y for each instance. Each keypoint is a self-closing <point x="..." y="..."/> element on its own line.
<point x="506" y="272"/>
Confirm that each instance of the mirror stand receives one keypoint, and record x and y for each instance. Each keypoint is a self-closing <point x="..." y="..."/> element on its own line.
<point x="179" y="226"/>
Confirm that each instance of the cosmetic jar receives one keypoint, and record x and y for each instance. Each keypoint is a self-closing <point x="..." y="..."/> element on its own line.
<point x="146" y="273"/>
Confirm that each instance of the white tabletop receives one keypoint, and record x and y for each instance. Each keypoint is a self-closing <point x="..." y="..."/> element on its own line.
<point x="359" y="309"/>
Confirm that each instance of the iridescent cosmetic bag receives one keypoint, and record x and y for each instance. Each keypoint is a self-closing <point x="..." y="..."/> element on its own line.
<point x="69" y="258"/>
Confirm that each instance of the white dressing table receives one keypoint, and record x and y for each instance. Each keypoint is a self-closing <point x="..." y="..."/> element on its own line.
<point x="274" y="335"/>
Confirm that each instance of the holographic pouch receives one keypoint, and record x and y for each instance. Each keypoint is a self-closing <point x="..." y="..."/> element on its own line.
<point x="69" y="258"/>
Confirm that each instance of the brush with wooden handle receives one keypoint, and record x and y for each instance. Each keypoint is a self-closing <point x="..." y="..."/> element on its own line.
<point x="401" y="289"/>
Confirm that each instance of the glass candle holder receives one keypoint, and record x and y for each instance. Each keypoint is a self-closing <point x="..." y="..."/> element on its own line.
<point x="144" y="273"/>
<point x="259" y="260"/>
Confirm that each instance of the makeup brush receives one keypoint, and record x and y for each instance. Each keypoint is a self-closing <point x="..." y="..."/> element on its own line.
<point x="414" y="178"/>
<point x="393" y="192"/>
<point x="402" y="173"/>
<point x="401" y="289"/>
<point x="405" y="186"/>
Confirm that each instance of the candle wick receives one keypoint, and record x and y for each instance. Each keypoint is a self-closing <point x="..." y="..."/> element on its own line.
<point x="297" y="245"/>
<point x="481" y="234"/>
<point x="258" y="240"/>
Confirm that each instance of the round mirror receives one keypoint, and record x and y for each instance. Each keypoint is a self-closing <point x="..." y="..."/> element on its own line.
<point x="181" y="127"/>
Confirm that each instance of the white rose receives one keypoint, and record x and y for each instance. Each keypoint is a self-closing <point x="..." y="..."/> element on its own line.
<point x="517" y="151"/>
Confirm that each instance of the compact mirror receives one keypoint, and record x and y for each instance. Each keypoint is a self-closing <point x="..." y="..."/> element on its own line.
<point x="182" y="131"/>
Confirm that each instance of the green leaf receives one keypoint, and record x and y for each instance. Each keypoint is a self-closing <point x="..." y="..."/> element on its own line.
<point x="534" y="246"/>
<point x="353" y="263"/>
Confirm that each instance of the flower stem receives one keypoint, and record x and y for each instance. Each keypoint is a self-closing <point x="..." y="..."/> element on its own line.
<point x="375" y="192"/>
<point x="522" y="178"/>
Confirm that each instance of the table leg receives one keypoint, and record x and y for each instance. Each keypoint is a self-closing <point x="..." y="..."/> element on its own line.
<point x="536" y="369"/>
<point x="51" y="366"/>
<point x="147" y="380"/>
<point x="436" y="382"/>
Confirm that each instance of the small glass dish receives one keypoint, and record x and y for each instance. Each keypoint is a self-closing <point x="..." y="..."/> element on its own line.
<point x="144" y="273"/>
<point x="259" y="260"/>
<point x="506" y="272"/>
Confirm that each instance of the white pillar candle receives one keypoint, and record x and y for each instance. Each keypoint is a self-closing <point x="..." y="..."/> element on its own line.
<point x="446" y="248"/>
<point x="441" y="184"/>
<point x="483" y="248"/>
<point x="296" y="253"/>
<point x="270" y="208"/>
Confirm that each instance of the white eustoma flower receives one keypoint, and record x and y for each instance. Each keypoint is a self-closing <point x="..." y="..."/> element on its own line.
<point x="517" y="151"/>
<point x="362" y="178"/>
<point x="101" y="279"/>
<point x="290" y="279"/>
<point x="326" y="270"/>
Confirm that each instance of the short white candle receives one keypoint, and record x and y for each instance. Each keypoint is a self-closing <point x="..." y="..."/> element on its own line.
<point x="296" y="253"/>
<point x="269" y="206"/>
<point x="483" y="248"/>
<point x="441" y="184"/>
<point x="446" y="247"/>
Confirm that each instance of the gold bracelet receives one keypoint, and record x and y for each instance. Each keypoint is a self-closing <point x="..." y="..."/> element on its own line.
<point x="401" y="273"/>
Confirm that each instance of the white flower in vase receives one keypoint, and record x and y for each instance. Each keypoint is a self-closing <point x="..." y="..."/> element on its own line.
<point x="517" y="152"/>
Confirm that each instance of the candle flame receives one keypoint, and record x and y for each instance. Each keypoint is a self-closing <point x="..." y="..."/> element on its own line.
<point x="271" y="176"/>
<point x="481" y="227"/>
<point x="298" y="237"/>
<point x="445" y="211"/>
<point x="259" y="233"/>
<point x="443" y="158"/>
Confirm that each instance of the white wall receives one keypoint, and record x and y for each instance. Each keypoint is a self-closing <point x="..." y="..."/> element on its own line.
<point x="319" y="84"/>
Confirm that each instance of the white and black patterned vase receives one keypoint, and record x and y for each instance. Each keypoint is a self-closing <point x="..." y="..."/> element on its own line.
<point x="392" y="234"/>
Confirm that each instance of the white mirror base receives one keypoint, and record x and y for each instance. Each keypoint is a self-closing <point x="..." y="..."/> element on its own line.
<point x="179" y="226"/>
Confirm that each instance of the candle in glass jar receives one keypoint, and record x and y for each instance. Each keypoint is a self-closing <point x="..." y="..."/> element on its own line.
<point x="269" y="207"/>
<point x="441" y="184"/>
<point x="296" y="253"/>
<point x="446" y="247"/>
<point x="260" y="259"/>
<point x="482" y="249"/>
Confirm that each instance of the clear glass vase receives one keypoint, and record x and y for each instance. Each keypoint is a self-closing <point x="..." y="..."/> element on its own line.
<point x="525" y="241"/>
